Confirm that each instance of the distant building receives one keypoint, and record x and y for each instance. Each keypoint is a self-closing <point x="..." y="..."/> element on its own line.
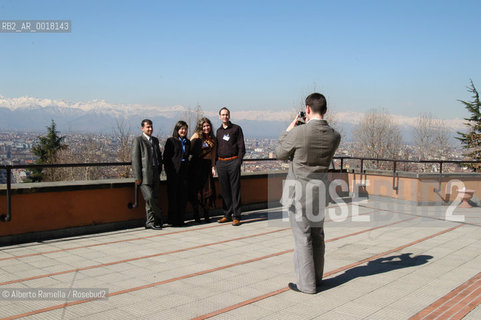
<point x="3" y="176"/>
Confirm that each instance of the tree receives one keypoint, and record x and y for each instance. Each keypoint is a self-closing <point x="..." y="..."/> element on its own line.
<point x="46" y="149"/>
<point x="86" y="150"/>
<point x="122" y="133"/>
<point x="377" y="136"/>
<point x="471" y="140"/>
<point x="191" y="117"/>
<point x="431" y="138"/>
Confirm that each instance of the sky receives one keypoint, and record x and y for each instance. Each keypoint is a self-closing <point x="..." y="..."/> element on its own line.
<point x="407" y="57"/>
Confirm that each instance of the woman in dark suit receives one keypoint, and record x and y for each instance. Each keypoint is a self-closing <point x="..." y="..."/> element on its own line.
<point x="176" y="162"/>
<point x="202" y="169"/>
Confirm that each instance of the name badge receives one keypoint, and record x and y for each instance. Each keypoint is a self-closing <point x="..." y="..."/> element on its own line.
<point x="226" y="137"/>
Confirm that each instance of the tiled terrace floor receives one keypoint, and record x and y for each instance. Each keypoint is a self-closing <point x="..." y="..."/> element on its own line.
<point x="407" y="262"/>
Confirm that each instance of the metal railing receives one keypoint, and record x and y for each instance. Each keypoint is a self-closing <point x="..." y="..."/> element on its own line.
<point x="396" y="161"/>
<point x="8" y="216"/>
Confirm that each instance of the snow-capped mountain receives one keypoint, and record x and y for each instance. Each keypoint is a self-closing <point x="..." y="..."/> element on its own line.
<point x="30" y="113"/>
<point x="34" y="114"/>
<point x="99" y="106"/>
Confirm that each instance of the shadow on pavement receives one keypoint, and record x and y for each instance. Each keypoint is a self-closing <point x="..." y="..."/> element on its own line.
<point x="377" y="266"/>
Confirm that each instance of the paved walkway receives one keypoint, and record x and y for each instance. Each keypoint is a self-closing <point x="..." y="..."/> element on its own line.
<point x="406" y="262"/>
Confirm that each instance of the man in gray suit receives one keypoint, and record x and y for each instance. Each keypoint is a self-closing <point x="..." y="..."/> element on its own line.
<point x="146" y="166"/>
<point x="309" y="149"/>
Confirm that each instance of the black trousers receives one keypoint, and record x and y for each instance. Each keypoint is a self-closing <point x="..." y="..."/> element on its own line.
<point x="229" y="180"/>
<point x="177" y="194"/>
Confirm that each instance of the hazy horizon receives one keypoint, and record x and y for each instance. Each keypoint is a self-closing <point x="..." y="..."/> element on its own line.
<point x="406" y="57"/>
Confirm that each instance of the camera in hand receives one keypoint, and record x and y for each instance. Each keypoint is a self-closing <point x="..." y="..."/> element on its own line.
<point x="301" y="118"/>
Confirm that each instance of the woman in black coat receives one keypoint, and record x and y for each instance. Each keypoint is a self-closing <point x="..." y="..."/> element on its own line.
<point x="176" y="162"/>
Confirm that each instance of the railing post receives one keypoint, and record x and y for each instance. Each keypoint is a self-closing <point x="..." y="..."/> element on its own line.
<point x="394" y="176"/>
<point x="131" y="205"/>
<point x="362" y="169"/>
<point x="438" y="189"/>
<point x="8" y="216"/>
<point x="342" y="163"/>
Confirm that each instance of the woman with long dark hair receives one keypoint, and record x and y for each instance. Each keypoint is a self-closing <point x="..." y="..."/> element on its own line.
<point x="202" y="169"/>
<point x="176" y="164"/>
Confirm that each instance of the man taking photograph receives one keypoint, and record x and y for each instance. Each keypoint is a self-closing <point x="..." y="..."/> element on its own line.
<point x="309" y="149"/>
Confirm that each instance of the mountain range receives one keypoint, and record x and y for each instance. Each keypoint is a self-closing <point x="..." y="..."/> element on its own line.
<point x="100" y="116"/>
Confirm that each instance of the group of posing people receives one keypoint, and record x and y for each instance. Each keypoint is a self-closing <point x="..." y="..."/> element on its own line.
<point x="190" y="165"/>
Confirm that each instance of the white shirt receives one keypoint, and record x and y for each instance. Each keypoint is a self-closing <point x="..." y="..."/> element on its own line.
<point x="148" y="138"/>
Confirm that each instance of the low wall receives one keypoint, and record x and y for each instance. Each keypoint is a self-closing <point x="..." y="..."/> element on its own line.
<point x="420" y="188"/>
<point x="40" y="210"/>
<point x="58" y="209"/>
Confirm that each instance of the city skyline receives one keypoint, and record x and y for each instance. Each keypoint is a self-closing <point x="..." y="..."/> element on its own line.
<point x="407" y="58"/>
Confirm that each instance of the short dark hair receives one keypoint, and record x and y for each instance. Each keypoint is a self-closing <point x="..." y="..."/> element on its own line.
<point x="223" y="108"/>
<point x="148" y="121"/>
<point x="179" y="125"/>
<point x="317" y="102"/>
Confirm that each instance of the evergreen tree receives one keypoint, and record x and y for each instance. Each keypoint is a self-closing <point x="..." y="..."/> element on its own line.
<point x="471" y="140"/>
<point x="46" y="149"/>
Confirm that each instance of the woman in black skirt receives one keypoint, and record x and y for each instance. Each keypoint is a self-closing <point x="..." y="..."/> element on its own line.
<point x="176" y="164"/>
<point x="202" y="169"/>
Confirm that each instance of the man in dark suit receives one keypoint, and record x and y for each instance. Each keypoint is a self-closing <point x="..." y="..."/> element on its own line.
<point x="146" y="166"/>
<point x="309" y="149"/>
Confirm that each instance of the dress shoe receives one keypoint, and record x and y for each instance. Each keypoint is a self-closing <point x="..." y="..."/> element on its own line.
<point x="223" y="220"/>
<point x="154" y="227"/>
<point x="236" y="223"/>
<point x="207" y="220"/>
<point x="197" y="220"/>
<point x="294" y="287"/>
